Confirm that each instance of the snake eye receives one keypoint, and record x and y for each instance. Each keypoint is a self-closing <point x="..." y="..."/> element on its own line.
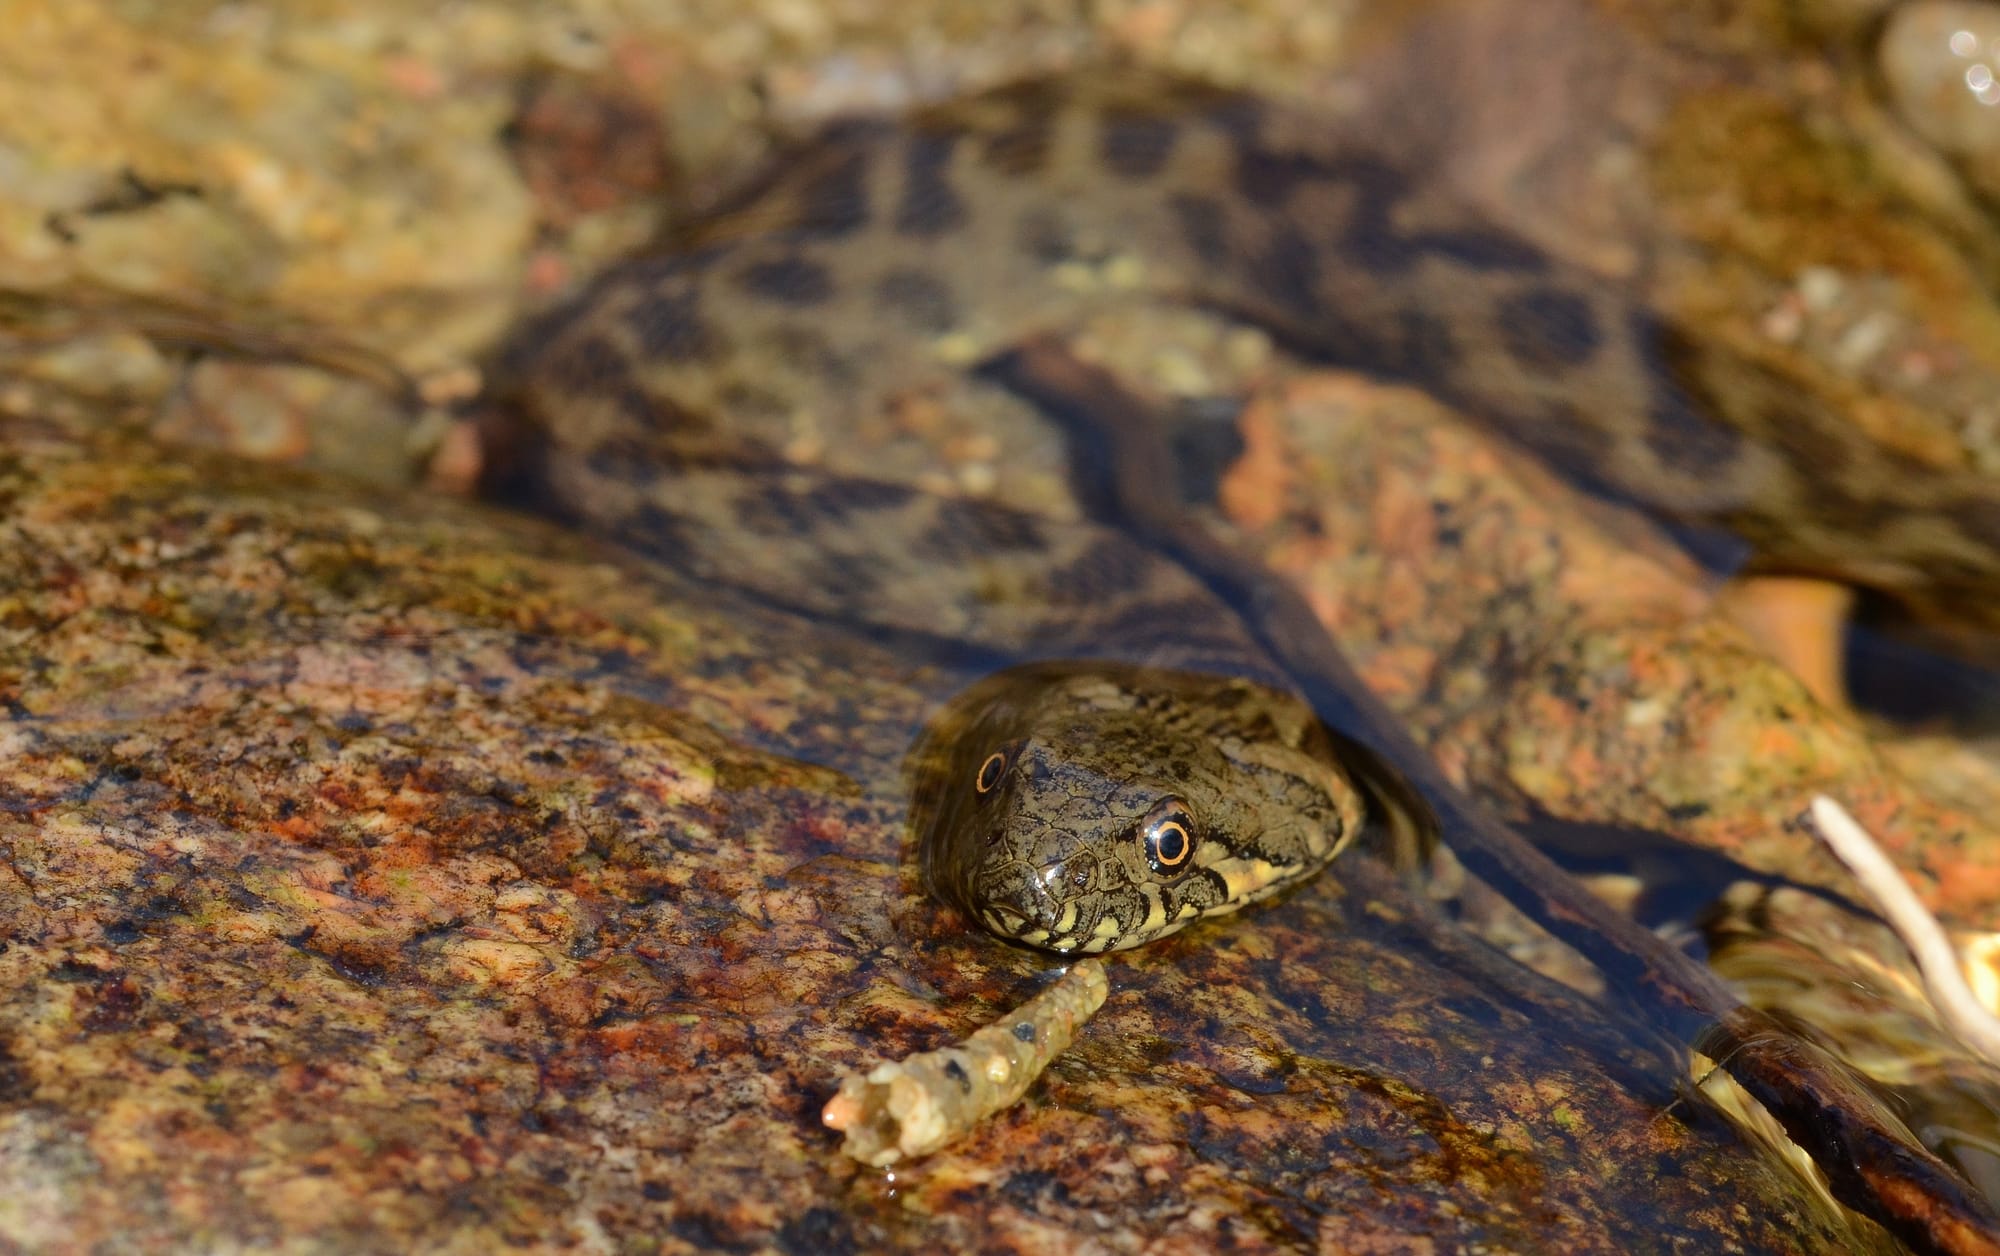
<point x="1168" y="834"/>
<point x="993" y="770"/>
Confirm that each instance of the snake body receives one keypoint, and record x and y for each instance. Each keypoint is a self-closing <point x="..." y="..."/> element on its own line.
<point x="1165" y="733"/>
<point x="885" y="255"/>
<point x="668" y="402"/>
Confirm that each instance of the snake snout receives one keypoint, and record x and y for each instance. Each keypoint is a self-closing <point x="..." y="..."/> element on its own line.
<point x="1018" y="905"/>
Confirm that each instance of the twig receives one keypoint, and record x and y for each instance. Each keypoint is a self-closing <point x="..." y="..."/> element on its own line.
<point x="1913" y="923"/>
<point x="913" y="1107"/>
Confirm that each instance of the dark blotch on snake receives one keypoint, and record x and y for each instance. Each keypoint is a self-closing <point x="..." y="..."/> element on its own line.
<point x="930" y="206"/>
<point x="798" y="282"/>
<point x="1545" y="328"/>
<point x="668" y="323"/>
<point x="833" y="203"/>
<point x="1136" y="145"/>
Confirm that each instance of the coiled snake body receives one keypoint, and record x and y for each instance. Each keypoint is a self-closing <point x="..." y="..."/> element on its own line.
<point x="1166" y="733"/>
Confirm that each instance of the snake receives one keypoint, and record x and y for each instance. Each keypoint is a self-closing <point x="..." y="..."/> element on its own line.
<point x="1163" y="732"/>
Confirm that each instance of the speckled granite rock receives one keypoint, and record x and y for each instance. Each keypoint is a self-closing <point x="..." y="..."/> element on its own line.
<point x="386" y="875"/>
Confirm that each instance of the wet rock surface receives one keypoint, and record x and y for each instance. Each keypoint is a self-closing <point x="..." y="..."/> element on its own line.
<point x="387" y="875"/>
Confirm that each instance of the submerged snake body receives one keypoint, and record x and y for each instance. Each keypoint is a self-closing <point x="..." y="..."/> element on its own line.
<point x="885" y="255"/>
<point x="669" y="406"/>
<point x="1166" y="732"/>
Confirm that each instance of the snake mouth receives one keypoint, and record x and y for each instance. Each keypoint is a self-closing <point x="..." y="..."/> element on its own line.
<point x="1008" y="923"/>
<point x="1021" y="912"/>
<point x="1006" y="920"/>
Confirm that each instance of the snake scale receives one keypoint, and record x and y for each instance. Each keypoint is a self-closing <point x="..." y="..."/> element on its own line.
<point x="1165" y="733"/>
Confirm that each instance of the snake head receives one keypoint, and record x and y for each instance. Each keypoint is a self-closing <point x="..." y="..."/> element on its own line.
<point x="1096" y="807"/>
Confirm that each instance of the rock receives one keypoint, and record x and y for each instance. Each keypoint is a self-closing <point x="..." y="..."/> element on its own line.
<point x="402" y="875"/>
